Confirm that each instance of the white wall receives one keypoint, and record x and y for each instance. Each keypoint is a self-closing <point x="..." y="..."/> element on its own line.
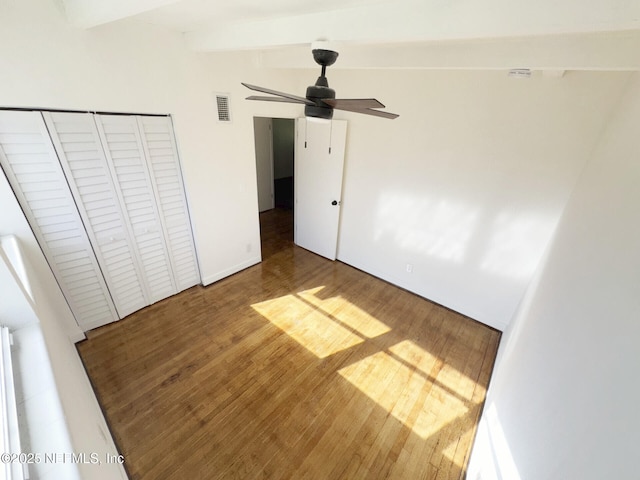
<point x="467" y="185"/>
<point x="564" y="394"/>
<point x="233" y="230"/>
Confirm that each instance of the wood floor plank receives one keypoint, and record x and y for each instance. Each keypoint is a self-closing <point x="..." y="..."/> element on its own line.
<point x="295" y="368"/>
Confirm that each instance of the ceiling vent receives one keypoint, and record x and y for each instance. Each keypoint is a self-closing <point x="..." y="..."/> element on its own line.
<point x="520" y="73"/>
<point x="224" y="111"/>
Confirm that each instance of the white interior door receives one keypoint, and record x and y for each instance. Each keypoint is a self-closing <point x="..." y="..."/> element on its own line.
<point x="77" y="142"/>
<point x="319" y="161"/>
<point x="166" y="178"/>
<point x="105" y="199"/>
<point x="125" y="155"/>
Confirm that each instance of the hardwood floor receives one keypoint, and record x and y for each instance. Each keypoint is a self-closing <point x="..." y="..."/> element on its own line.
<point x="296" y="368"/>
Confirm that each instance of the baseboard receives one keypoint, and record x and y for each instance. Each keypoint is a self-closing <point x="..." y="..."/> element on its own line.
<point x="77" y="336"/>
<point x="209" y="279"/>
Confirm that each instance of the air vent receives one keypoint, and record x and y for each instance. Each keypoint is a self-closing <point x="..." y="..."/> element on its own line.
<point x="520" y="73"/>
<point x="224" y="113"/>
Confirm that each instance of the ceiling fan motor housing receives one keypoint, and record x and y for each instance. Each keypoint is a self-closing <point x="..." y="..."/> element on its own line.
<point x="317" y="93"/>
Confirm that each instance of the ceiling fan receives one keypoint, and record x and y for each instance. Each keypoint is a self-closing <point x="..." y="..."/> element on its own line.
<point x="320" y="100"/>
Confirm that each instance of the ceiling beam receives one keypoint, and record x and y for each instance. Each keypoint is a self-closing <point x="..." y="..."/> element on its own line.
<point x="617" y="51"/>
<point x="91" y="13"/>
<point x="421" y="21"/>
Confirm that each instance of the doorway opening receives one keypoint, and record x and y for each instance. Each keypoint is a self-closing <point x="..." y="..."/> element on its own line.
<point x="274" y="146"/>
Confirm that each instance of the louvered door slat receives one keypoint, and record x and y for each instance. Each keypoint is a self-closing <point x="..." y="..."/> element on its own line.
<point x="81" y="153"/>
<point x="79" y="263"/>
<point x="162" y="158"/>
<point x="125" y="154"/>
<point x="27" y="156"/>
<point x="85" y="291"/>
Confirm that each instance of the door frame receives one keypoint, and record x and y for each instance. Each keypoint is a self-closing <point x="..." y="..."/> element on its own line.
<point x="295" y="174"/>
<point x="264" y="173"/>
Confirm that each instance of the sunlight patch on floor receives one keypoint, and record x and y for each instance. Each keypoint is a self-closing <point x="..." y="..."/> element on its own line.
<point x="346" y="313"/>
<point x="447" y="376"/>
<point x="309" y="326"/>
<point x="410" y="383"/>
<point x="418" y="402"/>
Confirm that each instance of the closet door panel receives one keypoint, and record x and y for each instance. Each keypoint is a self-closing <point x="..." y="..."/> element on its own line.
<point x="34" y="172"/>
<point x="123" y="148"/>
<point x="162" y="157"/>
<point x="81" y="154"/>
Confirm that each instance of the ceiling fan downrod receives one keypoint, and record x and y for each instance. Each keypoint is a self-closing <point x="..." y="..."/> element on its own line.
<point x="321" y="91"/>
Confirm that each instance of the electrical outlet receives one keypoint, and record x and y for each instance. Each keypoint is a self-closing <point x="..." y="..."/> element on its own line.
<point x="409" y="268"/>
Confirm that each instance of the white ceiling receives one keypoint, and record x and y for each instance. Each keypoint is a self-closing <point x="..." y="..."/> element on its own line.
<point x="550" y="34"/>
<point x="195" y="15"/>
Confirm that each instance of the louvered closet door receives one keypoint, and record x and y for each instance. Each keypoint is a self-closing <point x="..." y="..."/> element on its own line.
<point x="30" y="163"/>
<point x="81" y="154"/>
<point x="123" y="148"/>
<point x="162" y="156"/>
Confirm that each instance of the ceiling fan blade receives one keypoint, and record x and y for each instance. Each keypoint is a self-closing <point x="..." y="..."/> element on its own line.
<point x="274" y="99"/>
<point x="360" y="105"/>
<point x="371" y="111"/>
<point x="341" y="103"/>
<point x="280" y="94"/>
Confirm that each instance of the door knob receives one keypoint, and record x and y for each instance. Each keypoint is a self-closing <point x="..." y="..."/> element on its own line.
<point x="335" y="202"/>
